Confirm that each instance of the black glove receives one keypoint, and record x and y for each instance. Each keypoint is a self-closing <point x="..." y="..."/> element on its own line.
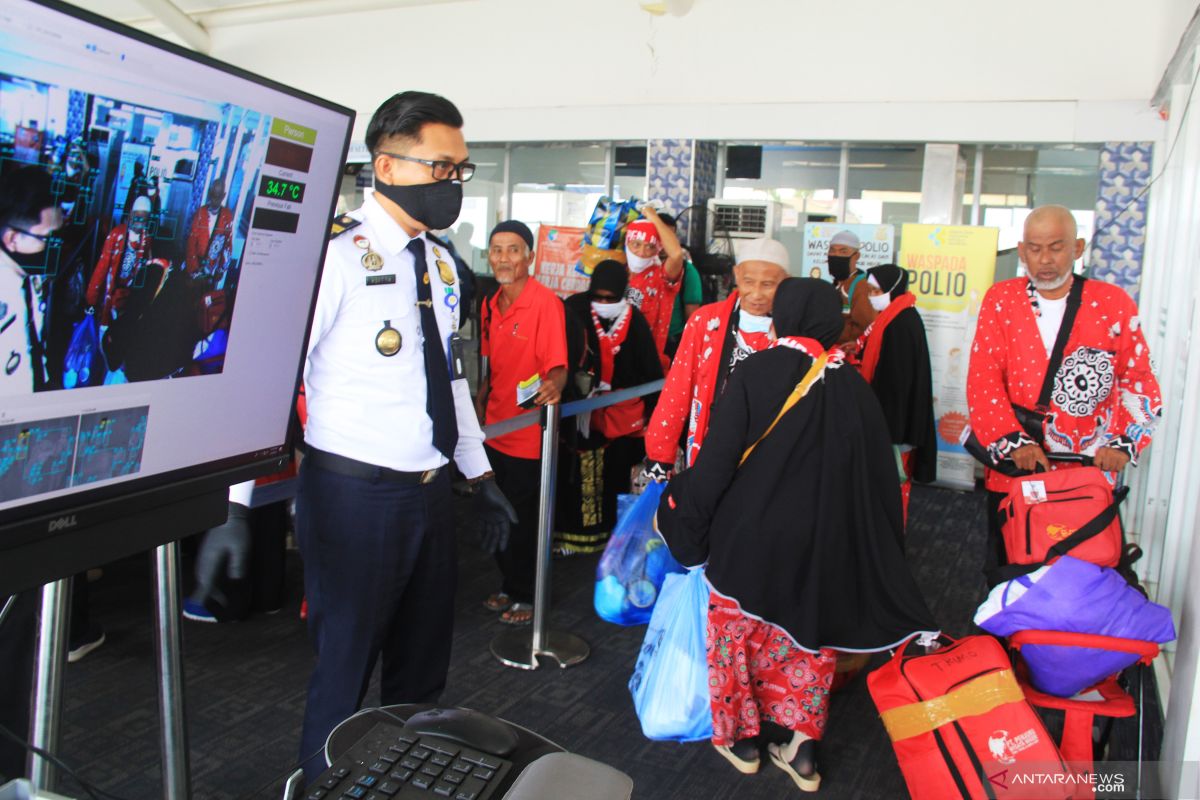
<point x="494" y="515"/>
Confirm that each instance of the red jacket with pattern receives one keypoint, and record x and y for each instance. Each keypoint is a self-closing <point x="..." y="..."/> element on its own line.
<point x="1105" y="393"/>
<point x="687" y="396"/>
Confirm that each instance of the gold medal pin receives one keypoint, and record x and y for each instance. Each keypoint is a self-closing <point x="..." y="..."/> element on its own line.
<point x="446" y="271"/>
<point x="371" y="260"/>
<point x="388" y="340"/>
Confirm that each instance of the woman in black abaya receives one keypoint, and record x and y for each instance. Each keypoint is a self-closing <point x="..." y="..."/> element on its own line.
<point x="803" y="540"/>
<point x="895" y="361"/>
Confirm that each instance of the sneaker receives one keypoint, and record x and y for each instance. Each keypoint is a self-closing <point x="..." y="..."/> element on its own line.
<point x="196" y="612"/>
<point x="742" y="754"/>
<point x="798" y="758"/>
<point x="77" y="650"/>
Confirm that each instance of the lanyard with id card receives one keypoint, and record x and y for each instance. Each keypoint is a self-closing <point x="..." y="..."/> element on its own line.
<point x="454" y="348"/>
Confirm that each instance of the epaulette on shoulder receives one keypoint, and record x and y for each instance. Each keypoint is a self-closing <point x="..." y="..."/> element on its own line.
<point x="342" y="224"/>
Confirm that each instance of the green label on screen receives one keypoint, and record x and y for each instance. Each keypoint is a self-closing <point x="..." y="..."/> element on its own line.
<point x="290" y="130"/>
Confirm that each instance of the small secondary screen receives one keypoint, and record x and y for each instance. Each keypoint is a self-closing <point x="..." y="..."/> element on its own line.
<point x="161" y="324"/>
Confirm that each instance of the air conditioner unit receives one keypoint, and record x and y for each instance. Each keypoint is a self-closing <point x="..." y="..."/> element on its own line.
<point x="743" y="219"/>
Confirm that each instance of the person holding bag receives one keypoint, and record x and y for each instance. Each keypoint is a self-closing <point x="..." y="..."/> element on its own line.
<point x="801" y="560"/>
<point x="1059" y="364"/>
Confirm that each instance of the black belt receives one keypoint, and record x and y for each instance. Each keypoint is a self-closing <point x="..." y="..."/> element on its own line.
<point x="361" y="469"/>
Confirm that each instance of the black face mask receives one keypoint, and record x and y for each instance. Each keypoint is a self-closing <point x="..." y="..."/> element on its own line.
<point x="26" y="261"/>
<point x="434" y="205"/>
<point x="839" y="267"/>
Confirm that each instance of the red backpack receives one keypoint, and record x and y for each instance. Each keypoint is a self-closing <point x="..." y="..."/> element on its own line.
<point x="1074" y="510"/>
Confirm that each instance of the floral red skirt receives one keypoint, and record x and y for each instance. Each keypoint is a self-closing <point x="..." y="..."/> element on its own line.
<point x="756" y="672"/>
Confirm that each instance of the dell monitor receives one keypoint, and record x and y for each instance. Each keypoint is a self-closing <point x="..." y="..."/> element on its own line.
<point x="150" y="350"/>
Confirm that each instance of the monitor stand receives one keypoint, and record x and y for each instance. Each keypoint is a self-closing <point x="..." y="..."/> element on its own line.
<point x="52" y="638"/>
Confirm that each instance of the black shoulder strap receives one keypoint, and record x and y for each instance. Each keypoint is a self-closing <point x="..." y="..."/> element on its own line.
<point x="1074" y="299"/>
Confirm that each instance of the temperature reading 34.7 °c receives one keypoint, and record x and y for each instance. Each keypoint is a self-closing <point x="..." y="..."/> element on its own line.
<point x="281" y="189"/>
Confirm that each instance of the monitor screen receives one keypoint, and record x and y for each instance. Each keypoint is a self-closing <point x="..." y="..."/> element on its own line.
<point x="158" y="334"/>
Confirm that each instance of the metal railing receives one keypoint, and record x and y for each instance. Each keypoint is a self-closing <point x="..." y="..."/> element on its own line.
<point x="521" y="647"/>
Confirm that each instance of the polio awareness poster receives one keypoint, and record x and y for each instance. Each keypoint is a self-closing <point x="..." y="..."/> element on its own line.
<point x="877" y="246"/>
<point x="949" y="269"/>
<point x="558" y="250"/>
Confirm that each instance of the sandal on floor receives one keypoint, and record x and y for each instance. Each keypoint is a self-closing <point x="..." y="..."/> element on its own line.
<point x="798" y="758"/>
<point x="497" y="602"/>
<point x="742" y="754"/>
<point x="518" y="614"/>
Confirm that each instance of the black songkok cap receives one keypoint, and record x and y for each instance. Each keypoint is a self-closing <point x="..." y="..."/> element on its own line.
<point x="514" y="226"/>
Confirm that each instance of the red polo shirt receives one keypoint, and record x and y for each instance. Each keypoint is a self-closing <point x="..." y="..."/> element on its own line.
<point x="528" y="338"/>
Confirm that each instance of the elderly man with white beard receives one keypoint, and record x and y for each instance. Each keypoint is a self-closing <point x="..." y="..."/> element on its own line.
<point x="1105" y="399"/>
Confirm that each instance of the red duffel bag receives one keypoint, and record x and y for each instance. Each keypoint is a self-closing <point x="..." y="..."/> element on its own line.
<point x="1049" y="514"/>
<point x="961" y="726"/>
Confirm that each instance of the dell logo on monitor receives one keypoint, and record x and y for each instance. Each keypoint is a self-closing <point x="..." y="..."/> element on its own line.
<point x="62" y="523"/>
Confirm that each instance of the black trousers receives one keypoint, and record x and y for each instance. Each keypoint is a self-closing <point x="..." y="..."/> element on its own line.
<point x="380" y="569"/>
<point x="994" y="554"/>
<point x="520" y="480"/>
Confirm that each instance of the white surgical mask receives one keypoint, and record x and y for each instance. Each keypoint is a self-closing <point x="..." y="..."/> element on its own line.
<point x="880" y="301"/>
<point x="637" y="263"/>
<point x="753" y="323"/>
<point x="609" y="310"/>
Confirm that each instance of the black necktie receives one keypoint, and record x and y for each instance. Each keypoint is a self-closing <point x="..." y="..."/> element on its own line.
<point x="37" y="364"/>
<point x="439" y="399"/>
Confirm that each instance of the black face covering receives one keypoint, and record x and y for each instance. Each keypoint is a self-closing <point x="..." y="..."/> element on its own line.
<point x="26" y="260"/>
<point x="434" y="205"/>
<point x="839" y="267"/>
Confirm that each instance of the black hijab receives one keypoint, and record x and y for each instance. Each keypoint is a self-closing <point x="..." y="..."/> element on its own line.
<point x="808" y="307"/>
<point x="903" y="379"/>
<point x="807" y="533"/>
<point x="611" y="276"/>
<point x="891" y="279"/>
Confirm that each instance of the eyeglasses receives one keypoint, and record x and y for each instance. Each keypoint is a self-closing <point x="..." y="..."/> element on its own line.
<point x="442" y="170"/>
<point x="41" y="237"/>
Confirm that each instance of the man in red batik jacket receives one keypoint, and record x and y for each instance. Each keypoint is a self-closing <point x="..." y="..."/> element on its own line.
<point x="210" y="241"/>
<point x="1105" y="401"/>
<point x="715" y="340"/>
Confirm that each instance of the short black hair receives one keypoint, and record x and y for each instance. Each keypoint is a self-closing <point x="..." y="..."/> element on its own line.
<point x="24" y="193"/>
<point x="403" y="115"/>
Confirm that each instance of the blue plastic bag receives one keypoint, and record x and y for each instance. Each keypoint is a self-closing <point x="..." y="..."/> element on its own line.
<point x="83" y="361"/>
<point x="670" y="682"/>
<point x="635" y="561"/>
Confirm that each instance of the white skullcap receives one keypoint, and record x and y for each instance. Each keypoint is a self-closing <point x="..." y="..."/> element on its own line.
<point x="764" y="250"/>
<point x="141" y="204"/>
<point x="848" y="238"/>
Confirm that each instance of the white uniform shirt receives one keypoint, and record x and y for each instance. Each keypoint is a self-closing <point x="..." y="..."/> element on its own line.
<point x="364" y="405"/>
<point x="16" y="371"/>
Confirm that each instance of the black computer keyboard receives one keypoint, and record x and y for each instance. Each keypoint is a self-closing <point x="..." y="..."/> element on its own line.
<point x="394" y="761"/>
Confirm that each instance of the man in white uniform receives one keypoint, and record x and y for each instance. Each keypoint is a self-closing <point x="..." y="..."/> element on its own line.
<point x="29" y="218"/>
<point x="388" y="408"/>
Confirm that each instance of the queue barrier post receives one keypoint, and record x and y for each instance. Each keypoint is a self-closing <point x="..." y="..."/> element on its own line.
<point x="521" y="647"/>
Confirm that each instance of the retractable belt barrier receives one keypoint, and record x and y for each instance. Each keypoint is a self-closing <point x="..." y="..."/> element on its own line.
<point x="521" y="647"/>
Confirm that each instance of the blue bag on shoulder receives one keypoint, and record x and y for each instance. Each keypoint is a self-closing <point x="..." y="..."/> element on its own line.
<point x="670" y="682"/>
<point x="635" y="561"/>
